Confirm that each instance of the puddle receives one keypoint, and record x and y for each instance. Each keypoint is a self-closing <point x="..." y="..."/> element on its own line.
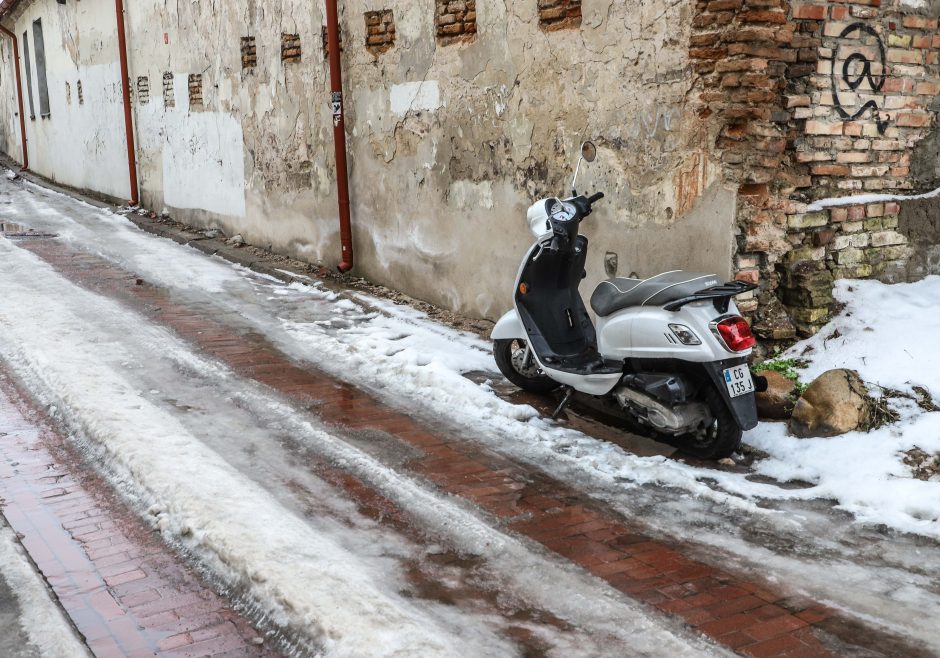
<point x="19" y="231"/>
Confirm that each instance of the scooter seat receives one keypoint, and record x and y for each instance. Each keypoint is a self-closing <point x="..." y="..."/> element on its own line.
<point x="616" y="294"/>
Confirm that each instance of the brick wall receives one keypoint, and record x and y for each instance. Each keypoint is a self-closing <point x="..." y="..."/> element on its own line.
<point x="456" y="20"/>
<point x="559" y="14"/>
<point x="805" y="102"/>
<point x="195" y="91"/>
<point x="249" y="52"/>
<point x="380" y="31"/>
<point x="291" y="50"/>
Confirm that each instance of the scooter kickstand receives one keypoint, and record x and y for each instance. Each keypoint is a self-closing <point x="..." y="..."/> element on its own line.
<point x="569" y="392"/>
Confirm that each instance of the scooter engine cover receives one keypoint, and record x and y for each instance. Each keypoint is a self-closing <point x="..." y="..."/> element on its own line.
<point x="671" y="389"/>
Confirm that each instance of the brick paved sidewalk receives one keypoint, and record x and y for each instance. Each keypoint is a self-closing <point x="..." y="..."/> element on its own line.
<point x="750" y="617"/>
<point x="125" y="591"/>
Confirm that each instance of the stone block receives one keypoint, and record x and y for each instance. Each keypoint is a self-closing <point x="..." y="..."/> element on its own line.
<point x="850" y="256"/>
<point x="811" y="315"/>
<point x="808" y="220"/>
<point x="862" y="271"/>
<point x="887" y="239"/>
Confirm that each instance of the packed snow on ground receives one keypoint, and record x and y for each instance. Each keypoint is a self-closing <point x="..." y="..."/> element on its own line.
<point x="40" y="618"/>
<point x="85" y="354"/>
<point x="888" y="333"/>
<point x="407" y="359"/>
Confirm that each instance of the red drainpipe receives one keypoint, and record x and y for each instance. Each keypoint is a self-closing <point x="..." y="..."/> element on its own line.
<point x="19" y="93"/>
<point x="339" y="135"/>
<point x="126" y="91"/>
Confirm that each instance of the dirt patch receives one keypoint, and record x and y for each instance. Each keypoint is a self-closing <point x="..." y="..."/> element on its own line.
<point x="923" y="465"/>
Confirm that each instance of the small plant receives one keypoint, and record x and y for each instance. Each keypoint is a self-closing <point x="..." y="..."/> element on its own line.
<point x="881" y="412"/>
<point x="786" y="367"/>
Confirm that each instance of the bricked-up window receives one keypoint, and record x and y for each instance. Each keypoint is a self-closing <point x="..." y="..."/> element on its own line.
<point x="143" y="89"/>
<point x="326" y="42"/>
<point x="29" y="75"/>
<point x="456" y="20"/>
<point x="249" y="53"/>
<point x="68" y="94"/>
<point x="559" y="14"/>
<point x="195" y="90"/>
<point x="81" y="93"/>
<point x="41" y="80"/>
<point x="290" y="48"/>
<point x="380" y="31"/>
<point x="169" y="96"/>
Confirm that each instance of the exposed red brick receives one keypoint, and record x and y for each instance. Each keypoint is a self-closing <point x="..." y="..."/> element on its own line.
<point x="920" y="22"/>
<point x="811" y="12"/>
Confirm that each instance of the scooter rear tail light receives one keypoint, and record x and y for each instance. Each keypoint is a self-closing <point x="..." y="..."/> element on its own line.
<point x="736" y="334"/>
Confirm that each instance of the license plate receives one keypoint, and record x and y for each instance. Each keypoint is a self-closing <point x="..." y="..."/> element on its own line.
<point x="738" y="380"/>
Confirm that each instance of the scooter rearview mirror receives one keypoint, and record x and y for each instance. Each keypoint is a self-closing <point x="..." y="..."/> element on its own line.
<point x="588" y="154"/>
<point x="589" y="151"/>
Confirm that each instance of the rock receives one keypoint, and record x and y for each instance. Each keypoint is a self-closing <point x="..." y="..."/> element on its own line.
<point x="165" y="213"/>
<point x="213" y="233"/>
<point x="836" y="403"/>
<point x="235" y="241"/>
<point x="776" y="402"/>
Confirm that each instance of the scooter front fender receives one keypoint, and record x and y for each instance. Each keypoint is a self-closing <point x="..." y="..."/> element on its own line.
<point x="509" y="327"/>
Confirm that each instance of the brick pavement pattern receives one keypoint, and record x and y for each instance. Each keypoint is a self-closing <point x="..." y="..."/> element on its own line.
<point x="125" y="591"/>
<point x="749" y="617"/>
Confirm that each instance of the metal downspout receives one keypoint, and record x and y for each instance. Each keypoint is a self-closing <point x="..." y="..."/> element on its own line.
<point x="19" y="93"/>
<point x="339" y="135"/>
<point x="126" y="93"/>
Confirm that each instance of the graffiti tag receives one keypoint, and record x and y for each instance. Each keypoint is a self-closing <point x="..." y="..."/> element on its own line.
<point x="647" y="123"/>
<point x="856" y="69"/>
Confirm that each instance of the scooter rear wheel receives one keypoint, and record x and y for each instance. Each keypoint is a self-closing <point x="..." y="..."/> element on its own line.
<point x="509" y="355"/>
<point x="721" y="438"/>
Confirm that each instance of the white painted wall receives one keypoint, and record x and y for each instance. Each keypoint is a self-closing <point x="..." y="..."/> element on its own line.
<point x="202" y="152"/>
<point x="79" y="145"/>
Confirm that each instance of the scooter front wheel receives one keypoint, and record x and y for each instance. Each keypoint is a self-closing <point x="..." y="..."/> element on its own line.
<point x="518" y="366"/>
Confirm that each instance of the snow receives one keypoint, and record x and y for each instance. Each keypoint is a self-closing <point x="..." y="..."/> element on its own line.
<point x="40" y="618"/>
<point x="860" y="199"/>
<point x="416" y="364"/>
<point x="85" y="356"/>
<point x="888" y="334"/>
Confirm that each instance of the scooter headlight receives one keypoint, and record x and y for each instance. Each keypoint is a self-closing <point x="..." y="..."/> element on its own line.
<point x="685" y="335"/>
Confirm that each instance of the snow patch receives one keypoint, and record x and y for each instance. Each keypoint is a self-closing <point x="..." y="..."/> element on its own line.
<point x="860" y="199"/>
<point x="40" y="618"/>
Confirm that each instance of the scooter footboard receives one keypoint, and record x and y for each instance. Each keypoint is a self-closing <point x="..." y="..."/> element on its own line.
<point x="743" y="407"/>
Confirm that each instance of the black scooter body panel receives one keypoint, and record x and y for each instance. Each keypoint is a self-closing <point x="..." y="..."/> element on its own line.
<point x="743" y="407"/>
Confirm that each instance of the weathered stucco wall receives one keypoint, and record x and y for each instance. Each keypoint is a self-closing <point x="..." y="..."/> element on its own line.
<point x="719" y="123"/>
<point x="452" y="134"/>
<point x="81" y="143"/>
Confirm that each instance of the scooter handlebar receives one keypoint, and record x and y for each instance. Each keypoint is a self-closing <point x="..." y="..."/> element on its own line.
<point x="594" y="198"/>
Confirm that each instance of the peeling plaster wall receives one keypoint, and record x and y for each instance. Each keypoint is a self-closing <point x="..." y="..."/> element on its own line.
<point x="10" y="139"/>
<point x="448" y="144"/>
<point x="80" y="145"/>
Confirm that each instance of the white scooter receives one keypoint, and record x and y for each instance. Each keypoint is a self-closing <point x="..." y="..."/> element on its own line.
<point x="669" y="354"/>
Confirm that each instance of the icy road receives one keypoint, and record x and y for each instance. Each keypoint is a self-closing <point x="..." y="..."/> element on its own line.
<point x="172" y="372"/>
